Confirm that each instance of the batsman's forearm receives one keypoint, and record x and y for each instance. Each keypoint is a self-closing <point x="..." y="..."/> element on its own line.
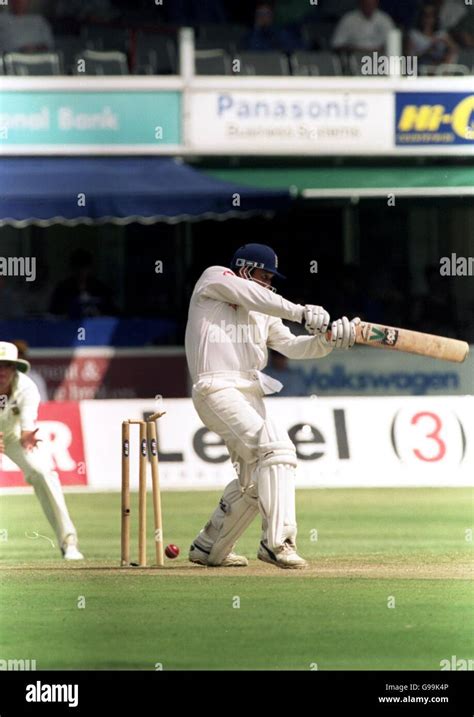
<point x="304" y="347"/>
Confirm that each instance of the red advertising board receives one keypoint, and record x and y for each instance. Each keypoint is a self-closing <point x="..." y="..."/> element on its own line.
<point x="60" y="430"/>
<point x="112" y="373"/>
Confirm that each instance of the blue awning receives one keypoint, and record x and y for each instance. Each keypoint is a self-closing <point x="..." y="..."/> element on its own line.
<point x="89" y="190"/>
<point x="100" y="330"/>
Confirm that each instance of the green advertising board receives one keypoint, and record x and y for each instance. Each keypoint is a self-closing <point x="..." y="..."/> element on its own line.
<point x="116" y="118"/>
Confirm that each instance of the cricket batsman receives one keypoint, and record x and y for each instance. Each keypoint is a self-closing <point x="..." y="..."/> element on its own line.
<point x="19" y="402"/>
<point x="234" y="318"/>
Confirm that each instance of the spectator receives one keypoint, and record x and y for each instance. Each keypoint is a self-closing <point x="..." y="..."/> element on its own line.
<point x="266" y="36"/>
<point x="21" y="31"/>
<point x="82" y="295"/>
<point x="463" y="32"/>
<point x="363" y="30"/>
<point x="292" y="379"/>
<point x="36" y="377"/>
<point x="431" y="45"/>
<point x="450" y="12"/>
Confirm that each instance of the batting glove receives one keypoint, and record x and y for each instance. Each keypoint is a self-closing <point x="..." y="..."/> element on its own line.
<point x="343" y="333"/>
<point x="316" y="319"/>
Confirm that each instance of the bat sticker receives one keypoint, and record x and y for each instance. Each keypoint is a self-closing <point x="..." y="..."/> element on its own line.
<point x="383" y="335"/>
<point x="391" y="337"/>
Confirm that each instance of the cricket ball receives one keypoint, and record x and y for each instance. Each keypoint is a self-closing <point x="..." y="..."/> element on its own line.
<point x="171" y="551"/>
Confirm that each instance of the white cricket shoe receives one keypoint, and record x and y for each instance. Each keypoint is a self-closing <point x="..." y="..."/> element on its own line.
<point x="201" y="557"/>
<point x="283" y="557"/>
<point x="69" y="549"/>
<point x="233" y="561"/>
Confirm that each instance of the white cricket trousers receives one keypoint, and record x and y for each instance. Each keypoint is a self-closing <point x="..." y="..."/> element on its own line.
<point x="46" y="485"/>
<point x="261" y="450"/>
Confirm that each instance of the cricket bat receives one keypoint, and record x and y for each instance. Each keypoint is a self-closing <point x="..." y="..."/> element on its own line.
<point x="413" y="342"/>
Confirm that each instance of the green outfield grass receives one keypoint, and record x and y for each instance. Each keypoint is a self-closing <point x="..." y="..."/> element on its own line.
<point x="372" y="545"/>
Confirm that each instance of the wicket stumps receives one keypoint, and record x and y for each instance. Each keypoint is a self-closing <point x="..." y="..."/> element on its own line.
<point x="148" y="447"/>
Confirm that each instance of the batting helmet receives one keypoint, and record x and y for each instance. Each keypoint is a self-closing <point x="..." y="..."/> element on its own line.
<point x="256" y="256"/>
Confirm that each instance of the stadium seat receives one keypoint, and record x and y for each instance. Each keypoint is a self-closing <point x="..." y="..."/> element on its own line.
<point x="450" y="68"/>
<point x="212" y="62"/>
<point x="156" y="54"/>
<point x="40" y="63"/>
<point x="321" y="63"/>
<point x="102" y="63"/>
<point x="427" y="70"/>
<point x="446" y="69"/>
<point x="317" y="35"/>
<point x="97" y="37"/>
<point x="263" y="63"/>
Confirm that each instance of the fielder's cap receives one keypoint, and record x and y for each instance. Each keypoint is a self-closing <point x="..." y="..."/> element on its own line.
<point x="256" y="256"/>
<point x="9" y="352"/>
